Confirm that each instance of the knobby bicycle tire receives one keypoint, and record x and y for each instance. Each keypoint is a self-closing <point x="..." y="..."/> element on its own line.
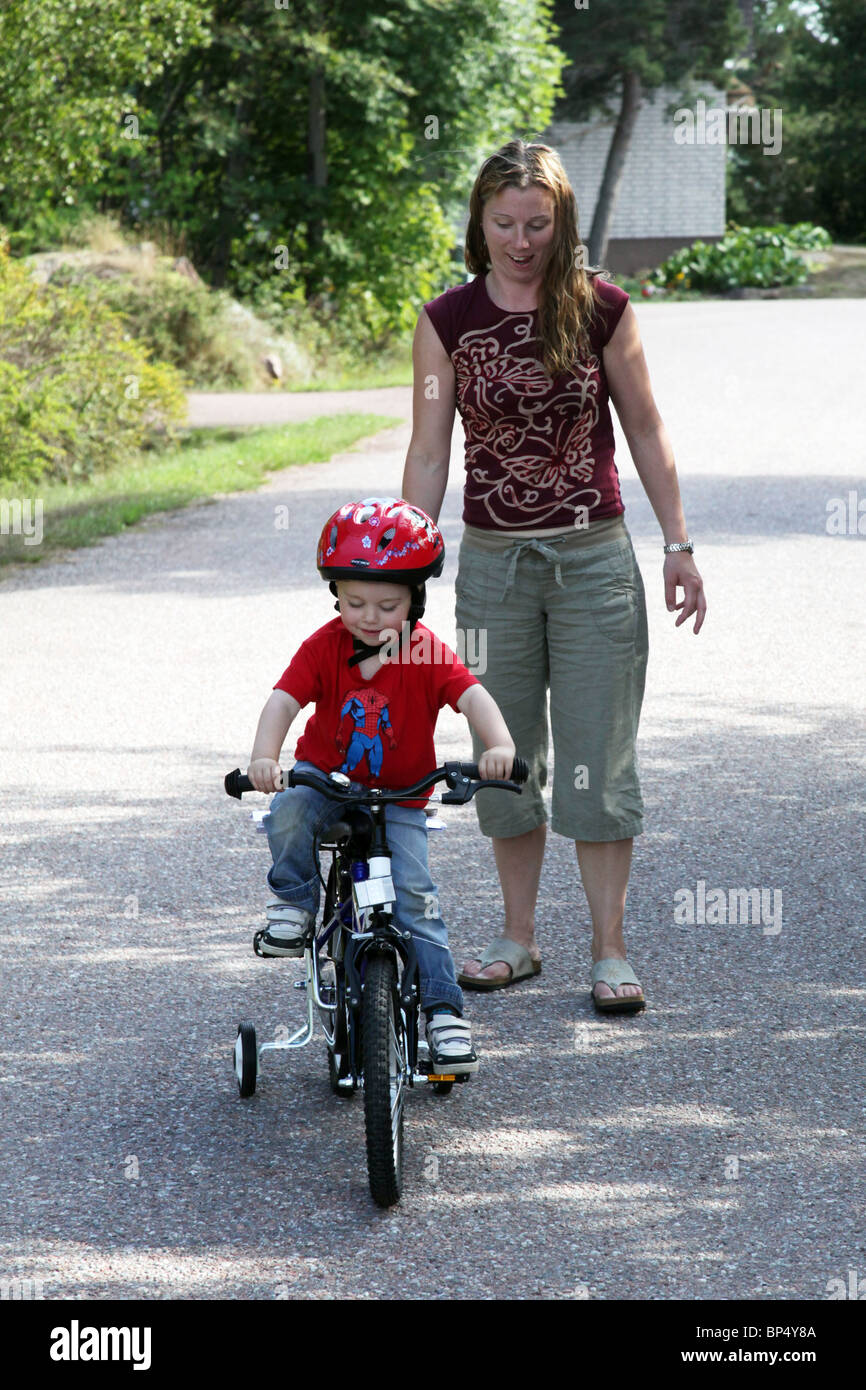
<point x="384" y="1086"/>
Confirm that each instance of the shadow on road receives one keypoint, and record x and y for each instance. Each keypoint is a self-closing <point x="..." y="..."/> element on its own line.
<point x="593" y="1157"/>
<point x="269" y="546"/>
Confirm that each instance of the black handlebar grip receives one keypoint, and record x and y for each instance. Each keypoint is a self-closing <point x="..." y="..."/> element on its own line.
<point x="520" y="770"/>
<point x="237" y="782"/>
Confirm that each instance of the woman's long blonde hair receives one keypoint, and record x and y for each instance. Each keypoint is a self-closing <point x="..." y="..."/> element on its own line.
<point x="567" y="302"/>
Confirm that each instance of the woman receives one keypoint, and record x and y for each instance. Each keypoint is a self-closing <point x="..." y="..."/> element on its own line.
<point x="530" y="351"/>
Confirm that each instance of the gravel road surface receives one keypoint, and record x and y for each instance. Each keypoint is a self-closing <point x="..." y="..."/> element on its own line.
<point x="710" y="1148"/>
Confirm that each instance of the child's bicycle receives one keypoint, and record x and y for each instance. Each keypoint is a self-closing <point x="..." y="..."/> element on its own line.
<point x="361" y="970"/>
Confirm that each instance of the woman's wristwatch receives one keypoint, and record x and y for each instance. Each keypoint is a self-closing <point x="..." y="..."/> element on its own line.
<point x="679" y="545"/>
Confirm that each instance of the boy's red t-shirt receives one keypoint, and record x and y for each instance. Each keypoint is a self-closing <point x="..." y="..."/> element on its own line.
<point x="379" y="732"/>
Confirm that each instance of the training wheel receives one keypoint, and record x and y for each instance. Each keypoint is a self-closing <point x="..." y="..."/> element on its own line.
<point x="246" y="1059"/>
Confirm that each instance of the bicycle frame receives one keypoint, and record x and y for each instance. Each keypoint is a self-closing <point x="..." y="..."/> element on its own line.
<point x="361" y="920"/>
<point x="359" y="906"/>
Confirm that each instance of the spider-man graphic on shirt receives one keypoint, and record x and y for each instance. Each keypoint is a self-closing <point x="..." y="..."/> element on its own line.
<point x="368" y="711"/>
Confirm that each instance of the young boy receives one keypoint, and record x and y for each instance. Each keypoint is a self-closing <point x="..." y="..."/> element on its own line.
<point x="374" y="718"/>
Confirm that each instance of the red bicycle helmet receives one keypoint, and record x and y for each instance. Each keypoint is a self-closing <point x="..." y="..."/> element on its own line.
<point x="380" y="538"/>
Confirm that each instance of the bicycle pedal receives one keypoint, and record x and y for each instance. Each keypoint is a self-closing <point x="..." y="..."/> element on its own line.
<point x="299" y="984"/>
<point x="441" y="1076"/>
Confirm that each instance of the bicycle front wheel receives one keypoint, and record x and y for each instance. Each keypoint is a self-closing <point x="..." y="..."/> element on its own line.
<point x="384" y="1051"/>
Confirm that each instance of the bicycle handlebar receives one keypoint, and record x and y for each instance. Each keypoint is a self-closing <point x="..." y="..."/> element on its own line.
<point x="462" y="778"/>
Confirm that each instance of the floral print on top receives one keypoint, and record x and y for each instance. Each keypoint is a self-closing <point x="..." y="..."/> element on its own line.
<point x="539" y="452"/>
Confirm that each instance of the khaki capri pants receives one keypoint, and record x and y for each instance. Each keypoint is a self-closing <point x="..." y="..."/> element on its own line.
<point x="565" y="615"/>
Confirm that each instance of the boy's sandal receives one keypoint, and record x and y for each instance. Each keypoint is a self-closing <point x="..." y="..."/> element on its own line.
<point x="516" y="957"/>
<point x="614" y="972"/>
<point x="450" y="1042"/>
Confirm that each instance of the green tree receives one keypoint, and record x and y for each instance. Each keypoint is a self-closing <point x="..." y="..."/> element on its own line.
<point x="299" y="150"/>
<point x="292" y="151"/>
<point x="69" y="74"/>
<point x="620" y="54"/>
<point x="807" y="61"/>
<point x="825" y="178"/>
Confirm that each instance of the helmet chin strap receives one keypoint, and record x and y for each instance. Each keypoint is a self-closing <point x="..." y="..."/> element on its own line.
<point x="416" y="613"/>
<point x="363" y="650"/>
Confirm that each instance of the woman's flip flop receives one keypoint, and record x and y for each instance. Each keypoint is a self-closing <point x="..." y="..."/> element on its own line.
<point x="614" y="972"/>
<point x="516" y="957"/>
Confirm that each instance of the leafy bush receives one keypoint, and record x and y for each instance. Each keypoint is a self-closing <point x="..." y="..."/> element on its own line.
<point x="77" y="393"/>
<point x="213" y="341"/>
<point x="746" y="256"/>
<point x="187" y="325"/>
<point x="331" y="340"/>
<point x="803" y="234"/>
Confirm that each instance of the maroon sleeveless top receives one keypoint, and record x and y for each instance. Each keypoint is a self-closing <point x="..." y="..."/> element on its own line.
<point x="536" y="450"/>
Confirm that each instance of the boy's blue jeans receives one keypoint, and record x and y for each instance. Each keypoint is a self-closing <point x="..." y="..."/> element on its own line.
<point x="298" y="813"/>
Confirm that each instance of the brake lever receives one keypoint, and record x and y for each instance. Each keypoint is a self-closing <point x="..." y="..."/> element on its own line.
<point x="462" y="789"/>
<point x="459" y="794"/>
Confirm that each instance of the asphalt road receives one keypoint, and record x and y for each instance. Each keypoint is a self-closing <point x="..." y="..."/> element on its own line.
<point x="710" y="1148"/>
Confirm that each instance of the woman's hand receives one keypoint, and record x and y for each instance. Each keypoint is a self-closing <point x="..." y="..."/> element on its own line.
<point x="497" y="762"/>
<point x="680" y="571"/>
<point x="265" y="775"/>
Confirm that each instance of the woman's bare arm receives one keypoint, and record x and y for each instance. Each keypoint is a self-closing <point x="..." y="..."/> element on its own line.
<point x="433" y="405"/>
<point x="630" y="390"/>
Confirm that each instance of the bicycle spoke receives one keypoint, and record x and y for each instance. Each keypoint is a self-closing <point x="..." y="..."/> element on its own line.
<point x="397" y="1089"/>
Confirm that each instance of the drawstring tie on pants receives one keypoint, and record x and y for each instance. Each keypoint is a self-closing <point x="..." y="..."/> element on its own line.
<point x="551" y="555"/>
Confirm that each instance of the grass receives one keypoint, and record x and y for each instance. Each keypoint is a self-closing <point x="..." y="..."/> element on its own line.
<point x="204" y="464"/>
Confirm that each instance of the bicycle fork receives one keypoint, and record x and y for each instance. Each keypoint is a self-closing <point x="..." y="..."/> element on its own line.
<point x="405" y="994"/>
